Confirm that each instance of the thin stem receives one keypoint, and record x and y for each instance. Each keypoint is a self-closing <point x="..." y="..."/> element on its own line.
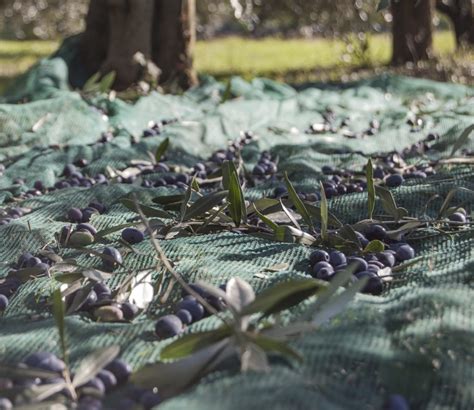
<point x="164" y="260"/>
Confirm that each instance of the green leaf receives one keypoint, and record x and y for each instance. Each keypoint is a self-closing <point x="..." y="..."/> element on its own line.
<point x="168" y="199"/>
<point x="463" y="138"/>
<point x="92" y="83"/>
<point x="282" y="296"/>
<point x="195" y="184"/>
<point x="205" y="204"/>
<point x="324" y="214"/>
<point x="389" y="204"/>
<point x="449" y="197"/>
<point x="58" y="314"/>
<point x="398" y="233"/>
<point x="147" y="210"/>
<point x="337" y="304"/>
<point x="116" y="228"/>
<point x="286" y="233"/>
<point x="297" y="202"/>
<point x="17" y="372"/>
<point x="93" y="363"/>
<point x="235" y="197"/>
<point x="374" y="246"/>
<point x="271" y="345"/>
<point x="290" y="216"/>
<point x="266" y="220"/>
<point x="187" y="197"/>
<point x="192" y="342"/>
<point x="340" y="279"/>
<point x="79" y="298"/>
<point x="348" y="233"/>
<point x="227" y="94"/>
<point x="315" y="213"/>
<point x="369" y="173"/>
<point x="106" y="82"/>
<point x="173" y="378"/>
<point x="262" y="204"/>
<point x="160" y="151"/>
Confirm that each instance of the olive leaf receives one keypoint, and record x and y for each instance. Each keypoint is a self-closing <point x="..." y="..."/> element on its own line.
<point x="267" y="220"/>
<point x="374" y="246"/>
<point x="106" y="82"/>
<point x="26" y="372"/>
<point x="297" y="202"/>
<point x="272" y="345"/>
<point x="262" y="204"/>
<point x="389" y="204"/>
<point x="408" y="227"/>
<point x="160" y="151"/>
<point x="291" y="234"/>
<point x="254" y="358"/>
<point x="173" y="378"/>
<point x="205" y="204"/>
<point x="168" y="199"/>
<point x="462" y="139"/>
<point x="235" y="196"/>
<point x="324" y="214"/>
<point x="59" y="314"/>
<point x="282" y="296"/>
<point x="239" y="293"/>
<point x="369" y="173"/>
<point x="79" y="298"/>
<point x="94" y="363"/>
<point x="290" y="216"/>
<point x="192" y="342"/>
<point x="337" y="304"/>
<point x="147" y="210"/>
<point x="186" y="199"/>
<point x="315" y="213"/>
<point x="449" y="197"/>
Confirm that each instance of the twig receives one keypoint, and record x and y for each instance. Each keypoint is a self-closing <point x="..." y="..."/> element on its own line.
<point x="164" y="260"/>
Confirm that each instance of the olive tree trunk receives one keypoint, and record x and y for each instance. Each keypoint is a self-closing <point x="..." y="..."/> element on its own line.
<point x="461" y="14"/>
<point x="162" y="30"/>
<point x="412" y="30"/>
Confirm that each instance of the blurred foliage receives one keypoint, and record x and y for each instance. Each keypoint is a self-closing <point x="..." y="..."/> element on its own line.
<point x="42" y="19"/>
<point x="58" y="18"/>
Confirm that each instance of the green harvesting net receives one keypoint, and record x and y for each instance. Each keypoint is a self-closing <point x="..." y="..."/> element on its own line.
<point x="414" y="339"/>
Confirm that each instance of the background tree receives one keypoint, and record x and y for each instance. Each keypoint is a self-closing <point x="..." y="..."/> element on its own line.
<point x="461" y="14"/>
<point x="162" y="30"/>
<point x="412" y="30"/>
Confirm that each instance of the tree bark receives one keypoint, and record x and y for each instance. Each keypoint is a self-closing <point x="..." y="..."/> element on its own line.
<point x="412" y="30"/>
<point x="460" y="12"/>
<point x="173" y="41"/>
<point x="162" y="30"/>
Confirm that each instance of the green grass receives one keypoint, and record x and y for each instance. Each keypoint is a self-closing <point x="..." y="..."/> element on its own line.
<point x="295" y="60"/>
<point x="269" y="56"/>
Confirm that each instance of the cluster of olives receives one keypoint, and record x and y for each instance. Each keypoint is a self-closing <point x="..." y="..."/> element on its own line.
<point x="187" y="311"/>
<point x="266" y="166"/>
<point x="8" y="215"/>
<point x="324" y="264"/>
<point x="10" y="285"/>
<point x="101" y="305"/>
<point x="156" y="128"/>
<point x="78" y="215"/>
<point x="115" y="374"/>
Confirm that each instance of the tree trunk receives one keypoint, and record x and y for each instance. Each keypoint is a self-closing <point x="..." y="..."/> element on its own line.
<point x="460" y="12"/>
<point x="162" y="30"/>
<point x="412" y="30"/>
<point x="173" y="41"/>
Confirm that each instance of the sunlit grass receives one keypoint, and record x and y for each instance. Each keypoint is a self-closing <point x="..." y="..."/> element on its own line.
<point x="270" y="57"/>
